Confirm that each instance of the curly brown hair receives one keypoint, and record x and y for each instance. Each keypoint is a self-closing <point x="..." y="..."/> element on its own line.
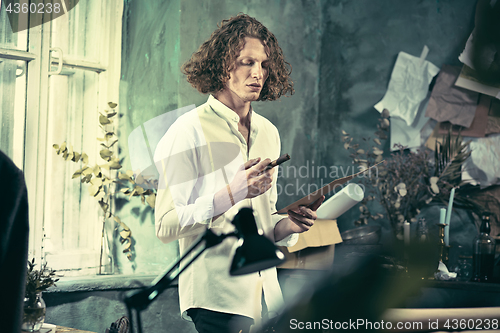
<point x="208" y="69"/>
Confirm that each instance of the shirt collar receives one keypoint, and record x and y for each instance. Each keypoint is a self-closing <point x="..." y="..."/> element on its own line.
<point x="225" y="112"/>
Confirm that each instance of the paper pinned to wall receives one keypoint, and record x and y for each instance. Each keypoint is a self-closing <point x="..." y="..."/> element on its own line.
<point x="409" y="136"/>
<point x="408" y="86"/>
<point x="450" y="103"/>
<point x="465" y="57"/>
<point x="484" y="163"/>
<point x="469" y="79"/>
<point x="479" y="124"/>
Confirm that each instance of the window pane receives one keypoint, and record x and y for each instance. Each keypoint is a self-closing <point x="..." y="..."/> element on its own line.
<point x="8" y="39"/>
<point x="78" y="33"/>
<point x="71" y="222"/>
<point x="12" y="108"/>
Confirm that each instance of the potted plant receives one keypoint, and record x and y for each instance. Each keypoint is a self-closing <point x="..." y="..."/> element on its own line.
<point x="37" y="281"/>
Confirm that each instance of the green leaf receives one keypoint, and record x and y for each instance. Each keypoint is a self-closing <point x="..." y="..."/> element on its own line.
<point x="100" y="195"/>
<point x="112" y="105"/>
<point x="84" y="158"/>
<point x="125" y="233"/>
<point x="87" y="171"/>
<point x="115" y="165"/>
<point x="104" y="206"/>
<point x="97" y="171"/>
<point x="76" y="157"/>
<point x="139" y="190"/>
<point x="97" y="181"/>
<point x="151" y="200"/>
<point x="93" y="189"/>
<point x="76" y="174"/>
<point x="86" y="178"/>
<point x="106" y="154"/>
<point x="103" y="120"/>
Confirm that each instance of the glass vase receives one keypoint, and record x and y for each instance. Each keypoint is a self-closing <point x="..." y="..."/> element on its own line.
<point x="34" y="313"/>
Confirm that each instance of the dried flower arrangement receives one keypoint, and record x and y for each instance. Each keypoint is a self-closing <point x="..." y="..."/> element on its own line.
<point x="408" y="180"/>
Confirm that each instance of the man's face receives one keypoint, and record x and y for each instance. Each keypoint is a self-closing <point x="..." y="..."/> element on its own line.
<point x="250" y="71"/>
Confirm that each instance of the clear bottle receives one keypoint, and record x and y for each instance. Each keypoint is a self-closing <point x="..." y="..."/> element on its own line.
<point x="483" y="252"/>
<point x="422" y="231"/>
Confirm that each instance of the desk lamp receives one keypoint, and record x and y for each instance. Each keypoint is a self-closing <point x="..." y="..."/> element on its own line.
<point x="254" y="252"/>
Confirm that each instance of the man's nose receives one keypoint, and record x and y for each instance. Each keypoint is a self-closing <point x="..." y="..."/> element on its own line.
<point x="258" y="71"/>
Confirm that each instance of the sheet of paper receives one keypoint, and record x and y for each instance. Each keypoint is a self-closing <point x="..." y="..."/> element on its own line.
<point x="323" y="232"/>
<point x="341" y="202"/>
<point x="310" y="198"/>
<point x="484" y="163"/>
<point x="465" y="57"/>
<point x="478" y="127"/>
<point x="409" y="136"/>
<point x="468" y="79"/>
<point x="450" y="103"/>
<point x="408" y="86"/>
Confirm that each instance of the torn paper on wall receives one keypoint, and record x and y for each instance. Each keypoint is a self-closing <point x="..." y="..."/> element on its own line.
<point x="478" y="127"/>
<point x="450" y="103"/>
<point x="408" y="86"/>
<point x="466" y="56"/>
<point x="484" y="164"/>
<point x="409" y="136"/>
<point x="469" y="79"/>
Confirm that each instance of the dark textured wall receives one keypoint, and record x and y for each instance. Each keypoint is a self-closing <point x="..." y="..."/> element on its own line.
<point x="342" y="53"/>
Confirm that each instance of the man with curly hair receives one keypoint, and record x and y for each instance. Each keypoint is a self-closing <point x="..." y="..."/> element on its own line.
<point x="212" y="162"/>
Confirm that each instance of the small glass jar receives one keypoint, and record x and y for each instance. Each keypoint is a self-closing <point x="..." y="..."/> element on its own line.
<point x="463" y="268"/>
<point x="34" y="313"/>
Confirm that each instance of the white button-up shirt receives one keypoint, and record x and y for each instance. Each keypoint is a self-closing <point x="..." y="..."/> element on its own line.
<point x="198" y="156"/>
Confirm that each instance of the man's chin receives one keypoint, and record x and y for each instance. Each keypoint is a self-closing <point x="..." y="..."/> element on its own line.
<point x="252" y="97"/>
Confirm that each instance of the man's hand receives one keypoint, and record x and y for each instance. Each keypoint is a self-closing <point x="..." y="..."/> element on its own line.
<point x="299" y="220"/>
<point x="253" y="180"/>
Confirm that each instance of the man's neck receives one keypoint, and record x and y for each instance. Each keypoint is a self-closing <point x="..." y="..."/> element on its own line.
<point x="235" y="103"/>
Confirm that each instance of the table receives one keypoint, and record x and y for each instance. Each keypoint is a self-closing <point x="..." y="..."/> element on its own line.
<point x="62" y="329"/>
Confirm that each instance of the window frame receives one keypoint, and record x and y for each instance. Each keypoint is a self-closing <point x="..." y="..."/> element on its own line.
<point x="39" y="62"/>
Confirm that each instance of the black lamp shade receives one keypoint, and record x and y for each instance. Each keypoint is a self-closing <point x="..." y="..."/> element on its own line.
<point x="254" y="252"/>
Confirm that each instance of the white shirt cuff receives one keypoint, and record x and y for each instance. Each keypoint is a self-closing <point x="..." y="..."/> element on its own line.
<point x="204" y="209"/>
<point x="288" y="241"/>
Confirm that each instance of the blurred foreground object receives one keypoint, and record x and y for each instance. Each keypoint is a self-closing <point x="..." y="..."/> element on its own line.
<point x="14" y="233"/>
<point x="357" y="298"/>
<point x="486" y="49"/>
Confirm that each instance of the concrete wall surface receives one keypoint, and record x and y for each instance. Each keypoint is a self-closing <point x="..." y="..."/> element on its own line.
<point x="342" y="53"/>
